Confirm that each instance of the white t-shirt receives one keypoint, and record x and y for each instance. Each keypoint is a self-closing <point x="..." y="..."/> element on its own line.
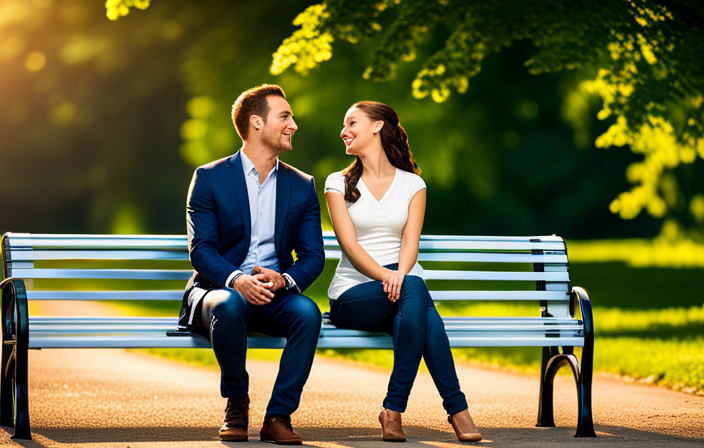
<point x="378" y="224"/>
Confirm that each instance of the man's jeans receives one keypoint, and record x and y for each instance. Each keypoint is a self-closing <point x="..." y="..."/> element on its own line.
<point x="417" y="331"/>
<point x="226" y="317"/>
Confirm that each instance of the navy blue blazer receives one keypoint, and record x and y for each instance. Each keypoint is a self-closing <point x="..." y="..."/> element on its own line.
<point x="219" y="225"/>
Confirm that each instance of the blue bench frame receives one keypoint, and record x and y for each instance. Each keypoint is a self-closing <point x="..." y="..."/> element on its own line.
<point x="540" y="262"/>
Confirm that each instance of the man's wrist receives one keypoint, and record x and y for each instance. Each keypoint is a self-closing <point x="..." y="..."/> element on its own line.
<point x="231" y="279"/>
<point x="290" y="283"/>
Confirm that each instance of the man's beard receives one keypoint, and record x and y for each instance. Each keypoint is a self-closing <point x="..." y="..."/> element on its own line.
<point x="276" y="142"/>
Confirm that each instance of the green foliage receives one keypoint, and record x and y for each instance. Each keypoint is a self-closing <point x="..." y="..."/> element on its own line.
<point x="120" y="8"/>
<point x="90" y="119"/>
<point x="647" y="55"/>
<point x="103" y="122"/>
<point x="660" y="252"/>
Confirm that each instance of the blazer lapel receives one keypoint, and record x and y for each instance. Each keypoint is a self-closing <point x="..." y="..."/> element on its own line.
<point x="240" y="185"/>
<point x="283" y="197"/>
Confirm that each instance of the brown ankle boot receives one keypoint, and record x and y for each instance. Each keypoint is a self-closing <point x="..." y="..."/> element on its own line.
<point x="464" y="427"/>
<point x="234" y="429"/>
<point x="391" y="427"/>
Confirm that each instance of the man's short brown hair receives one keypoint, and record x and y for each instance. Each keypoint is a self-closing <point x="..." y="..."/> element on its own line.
<point x="253" y="102"/>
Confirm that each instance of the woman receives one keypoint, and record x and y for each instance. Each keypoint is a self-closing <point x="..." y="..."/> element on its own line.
<point x="377" y="206"/>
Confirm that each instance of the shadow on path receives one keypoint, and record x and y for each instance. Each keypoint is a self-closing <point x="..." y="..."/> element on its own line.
<point x="352" y="437"/>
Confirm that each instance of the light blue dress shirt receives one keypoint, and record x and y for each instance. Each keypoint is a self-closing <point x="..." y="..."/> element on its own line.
<point x="262" y="210"/>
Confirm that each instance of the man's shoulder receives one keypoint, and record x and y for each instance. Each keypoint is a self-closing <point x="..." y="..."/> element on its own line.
<point x="217" y="164"/>
<point x="295" y="172"/>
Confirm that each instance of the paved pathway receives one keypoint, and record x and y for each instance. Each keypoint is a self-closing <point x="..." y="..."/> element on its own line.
<point x="117" y="398"/>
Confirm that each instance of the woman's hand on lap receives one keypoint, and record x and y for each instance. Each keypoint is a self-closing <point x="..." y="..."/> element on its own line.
<point x="393" y="281"/>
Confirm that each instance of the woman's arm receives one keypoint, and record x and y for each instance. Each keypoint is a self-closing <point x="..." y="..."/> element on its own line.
<point x="409" y="245"/>
<point x="343" y="227"/>
<point x="411" y="233"/>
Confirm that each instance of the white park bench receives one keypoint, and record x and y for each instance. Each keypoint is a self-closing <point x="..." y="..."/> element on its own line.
<point x="467" y="268"/>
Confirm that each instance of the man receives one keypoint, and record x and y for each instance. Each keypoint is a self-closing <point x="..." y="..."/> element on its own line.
<point x="246" y="214"/>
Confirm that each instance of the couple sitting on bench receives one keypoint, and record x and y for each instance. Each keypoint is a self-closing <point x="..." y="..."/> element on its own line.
<point x="247" y="213"/>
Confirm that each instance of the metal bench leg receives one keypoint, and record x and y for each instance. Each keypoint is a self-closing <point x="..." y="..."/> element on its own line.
<point x="546" y="417"/>
<point x="14" y="388"/>
<point x="7" y="376"/>
<point x="585" y="425"/>
<point x="583" y="381"/>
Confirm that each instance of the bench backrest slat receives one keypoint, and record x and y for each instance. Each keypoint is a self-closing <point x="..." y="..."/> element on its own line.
<point x="43" y="254"/>
<point x="176" y="294"/>
<point x="471" y="268"/>
<point x="43" y="241"/>
<point x="497" y="276"/>
<point x="118" y="274"/>
<point x="500" y="295"/>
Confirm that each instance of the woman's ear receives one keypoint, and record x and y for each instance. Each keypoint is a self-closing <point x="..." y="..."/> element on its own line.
<point x="377" y="126"/>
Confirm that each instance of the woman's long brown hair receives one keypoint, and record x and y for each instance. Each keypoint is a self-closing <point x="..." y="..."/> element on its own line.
<point x="394" y="140"/>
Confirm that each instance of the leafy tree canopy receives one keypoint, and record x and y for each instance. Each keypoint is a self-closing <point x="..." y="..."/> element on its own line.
<point x="645" y="58"/>
<point x="647" y="55"/>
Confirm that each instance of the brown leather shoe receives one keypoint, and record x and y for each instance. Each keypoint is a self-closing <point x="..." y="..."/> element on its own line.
<point x="278" y="430"/>
<point x="234" y="429"/>
<point x="464" y="427"/>
<point x="391" y="426"/>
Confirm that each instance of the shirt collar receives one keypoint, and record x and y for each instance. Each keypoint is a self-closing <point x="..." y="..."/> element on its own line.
<point x="248" y="166"/>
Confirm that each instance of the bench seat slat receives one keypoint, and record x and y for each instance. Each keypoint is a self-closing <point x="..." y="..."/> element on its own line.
<point x="173" y="321"/>
<point x="136" y="332"/>
<point x="380" y="342"/>
<point x="64" y="330"/>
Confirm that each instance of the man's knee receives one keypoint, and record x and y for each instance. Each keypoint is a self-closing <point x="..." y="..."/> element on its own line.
<point x="307" y="312"/>
<point x="226" y="304"/>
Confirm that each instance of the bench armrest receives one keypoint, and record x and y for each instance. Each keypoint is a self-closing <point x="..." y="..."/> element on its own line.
<point x="581" y="296"/>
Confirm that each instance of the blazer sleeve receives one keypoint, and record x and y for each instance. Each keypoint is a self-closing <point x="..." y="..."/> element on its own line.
<point x="309" y="243"/>
<point x="202" y="223"/>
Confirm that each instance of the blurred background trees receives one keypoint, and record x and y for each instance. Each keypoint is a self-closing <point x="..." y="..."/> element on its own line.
<point x="103" y="122"/>
<point x="646" y="55"/>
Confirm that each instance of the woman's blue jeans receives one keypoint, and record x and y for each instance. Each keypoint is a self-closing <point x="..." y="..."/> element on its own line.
<point x="417" y="331"/>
